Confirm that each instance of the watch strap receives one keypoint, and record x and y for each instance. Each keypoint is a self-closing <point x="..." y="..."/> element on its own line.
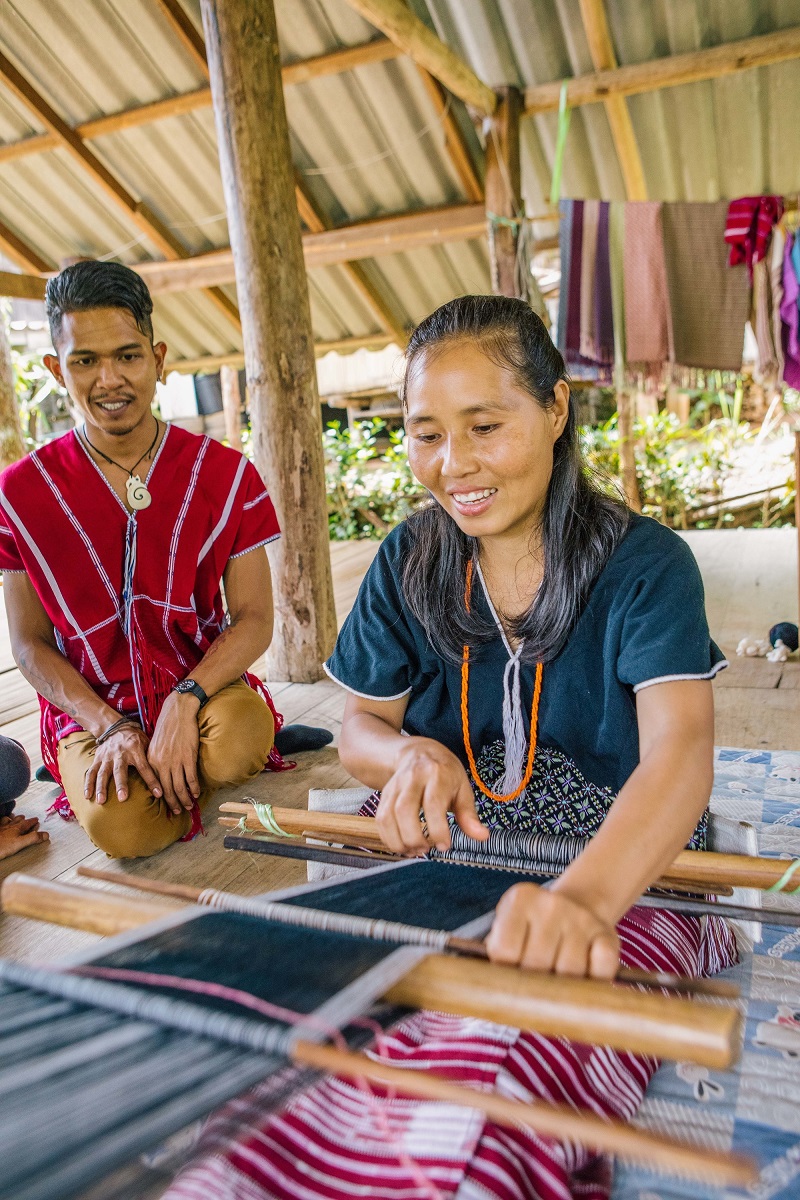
<point x="191" y="687"/>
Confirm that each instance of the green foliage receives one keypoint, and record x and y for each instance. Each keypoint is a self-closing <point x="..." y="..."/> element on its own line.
<point x="368" y="491"/>
<point x="43" y="408"/>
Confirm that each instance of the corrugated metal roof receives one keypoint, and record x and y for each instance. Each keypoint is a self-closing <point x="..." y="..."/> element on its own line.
<point x="370" y="142"/>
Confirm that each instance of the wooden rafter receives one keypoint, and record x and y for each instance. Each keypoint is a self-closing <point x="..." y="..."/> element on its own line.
<point x="396" y="20"/>
<point x="348" y="243"/>
<point x="604" y="58"/>
<point x="672" y="71"/>
<point x="20" y="252"/>
<point x="22" y="287"/>
<point x="317" y="222"/>
<point x="136" y="210"/>
<point x="456" y="143"/>
<point x="377" y="50"/>
<point x="187" y="34"/>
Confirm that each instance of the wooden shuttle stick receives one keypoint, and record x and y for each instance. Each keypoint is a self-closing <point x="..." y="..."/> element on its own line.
<point x="458" y="945"/>
<point x="697" y="867"/>
<point x="609" y="1137"/>
<point x="583" y="1010"/>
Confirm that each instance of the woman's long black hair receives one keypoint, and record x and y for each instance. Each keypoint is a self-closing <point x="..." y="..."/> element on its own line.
<point x="581" y="527"/>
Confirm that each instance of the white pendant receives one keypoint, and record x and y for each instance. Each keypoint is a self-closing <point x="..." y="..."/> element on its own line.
<point x="138" y="495"/>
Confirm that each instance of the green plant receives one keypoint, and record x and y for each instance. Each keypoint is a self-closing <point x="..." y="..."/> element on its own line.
<point x="42" y="403"/>
<point x="368" y="492"/>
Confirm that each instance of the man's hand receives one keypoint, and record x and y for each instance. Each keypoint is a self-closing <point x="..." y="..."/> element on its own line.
<point x="543" y="930"/>
<point x="124" y="749"/>
<point x="173" y="751"/>
<point x="428" y="778"/>
<point x="17" y="832"/>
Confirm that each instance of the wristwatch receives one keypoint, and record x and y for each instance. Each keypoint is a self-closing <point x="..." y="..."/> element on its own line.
<point x="188" y="686"/>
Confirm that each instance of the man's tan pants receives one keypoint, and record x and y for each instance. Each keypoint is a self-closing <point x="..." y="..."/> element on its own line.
<point x="236" y="735"/>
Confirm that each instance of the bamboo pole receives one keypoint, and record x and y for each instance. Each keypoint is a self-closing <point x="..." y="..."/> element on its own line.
<point x="258" y="181"/>
<point x="585" y="1010"/>
<point x="695" y="867"/>
<point x="231" y="405"/>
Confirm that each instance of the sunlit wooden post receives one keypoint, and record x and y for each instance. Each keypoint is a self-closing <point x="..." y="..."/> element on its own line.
<point x="259" y="184"/>
<point x="503" y="200"/>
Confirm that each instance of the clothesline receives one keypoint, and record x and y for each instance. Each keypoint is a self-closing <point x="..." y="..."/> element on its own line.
<point x="647" y="285"/>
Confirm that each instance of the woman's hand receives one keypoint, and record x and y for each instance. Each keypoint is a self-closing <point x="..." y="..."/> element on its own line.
<point x="428" y="778"/>
<point x="173" y="751"/>
<point x="545" y="930"/>
<point x="124" y="749"/>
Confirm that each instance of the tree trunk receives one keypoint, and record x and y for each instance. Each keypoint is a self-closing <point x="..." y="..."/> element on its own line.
<point x="12" y="446"/>
<point x="258" y="180"/>
<point x="232" y="405"/>
<point x="503" y="201"/>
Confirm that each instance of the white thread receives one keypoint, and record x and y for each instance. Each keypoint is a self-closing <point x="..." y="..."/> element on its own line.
<point x="513" y="727"/>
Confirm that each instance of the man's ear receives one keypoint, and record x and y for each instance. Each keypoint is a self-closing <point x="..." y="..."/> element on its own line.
<point x="160" y="352"/>
<point x="53" y="365"/>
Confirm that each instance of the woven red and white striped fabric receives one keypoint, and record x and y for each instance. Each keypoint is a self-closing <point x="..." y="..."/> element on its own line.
<point x="335" y="1141"/>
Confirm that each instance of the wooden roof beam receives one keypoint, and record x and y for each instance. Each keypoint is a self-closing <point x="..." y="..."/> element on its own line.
<point x="22" y="287"/>
<point x="317" y="222"/>
<point x="414" y="38"/>
<point x="455" y="142"/>
<point x="12" y="245"/>
<point x="136" y="210"/>
<point x="365" y="239"/>
<point x="604" y="58"/>
<point x="672" y="71"/>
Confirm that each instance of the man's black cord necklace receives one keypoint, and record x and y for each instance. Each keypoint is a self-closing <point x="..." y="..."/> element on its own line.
<point x="138" y="495"/>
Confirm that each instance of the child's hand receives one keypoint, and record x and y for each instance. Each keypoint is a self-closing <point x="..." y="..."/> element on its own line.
<point x="17" y="832"/>
<point x="428" y="778"/>
<point x="544" y="930"/>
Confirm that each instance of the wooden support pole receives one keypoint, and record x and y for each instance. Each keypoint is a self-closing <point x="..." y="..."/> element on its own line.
<point x="406" y="30"/>
<point x="258" y="181"/>
<point x="601" y="48"/>
<point x="503" y="200"/>
<point x="627" y="452"/>
<point x="672" y="71"/>
<point x="231" y="405"/>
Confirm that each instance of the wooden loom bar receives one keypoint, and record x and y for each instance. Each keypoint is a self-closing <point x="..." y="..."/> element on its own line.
<point x="585" y="1010"/>
<point x="457" y="945"/>
<point x="395" y="19"/>
<point x="601" y="48"/>
<point x="695" y="867"/>
<point x="672" y="71"/>
<point x="557" y="1121"/>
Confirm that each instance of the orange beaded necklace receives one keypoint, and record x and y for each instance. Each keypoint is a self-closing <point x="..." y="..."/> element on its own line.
<point x="537" y="691"/>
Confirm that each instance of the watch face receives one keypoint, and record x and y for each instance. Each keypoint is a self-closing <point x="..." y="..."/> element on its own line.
<point x="185" y="685"/>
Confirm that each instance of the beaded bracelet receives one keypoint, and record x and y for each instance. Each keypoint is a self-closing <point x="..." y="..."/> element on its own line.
<point x="112" y="729"/>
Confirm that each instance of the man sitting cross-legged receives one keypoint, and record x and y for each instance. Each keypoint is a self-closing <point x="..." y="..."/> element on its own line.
<point x="114" y="540"/>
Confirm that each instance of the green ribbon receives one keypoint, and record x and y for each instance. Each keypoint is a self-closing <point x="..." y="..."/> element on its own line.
<point x="564" y="114"/>
<point x="266" y="816"/>
<point x="509" y="222"/>
<point x="785" y="878"/>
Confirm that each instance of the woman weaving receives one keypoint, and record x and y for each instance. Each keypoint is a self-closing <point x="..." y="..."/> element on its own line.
<point x="525" y="653"/>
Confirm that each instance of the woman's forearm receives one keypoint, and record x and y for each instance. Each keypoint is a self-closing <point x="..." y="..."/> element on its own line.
<point x="368" y="748"/>
<point x="648" y="824"/>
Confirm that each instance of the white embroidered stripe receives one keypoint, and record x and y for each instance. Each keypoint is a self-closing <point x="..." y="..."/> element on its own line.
<point x="81" y="532"/>
<point x="173" y="547"/>
<point x="363" y="695"/>
<point x="226" y="512"/>
<point x="252" y="503"/>
<point x="264" y="542"/>
<point x="5" y="529"/>
<point x="720" y="666"/>
<point x="51" y="579"/>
